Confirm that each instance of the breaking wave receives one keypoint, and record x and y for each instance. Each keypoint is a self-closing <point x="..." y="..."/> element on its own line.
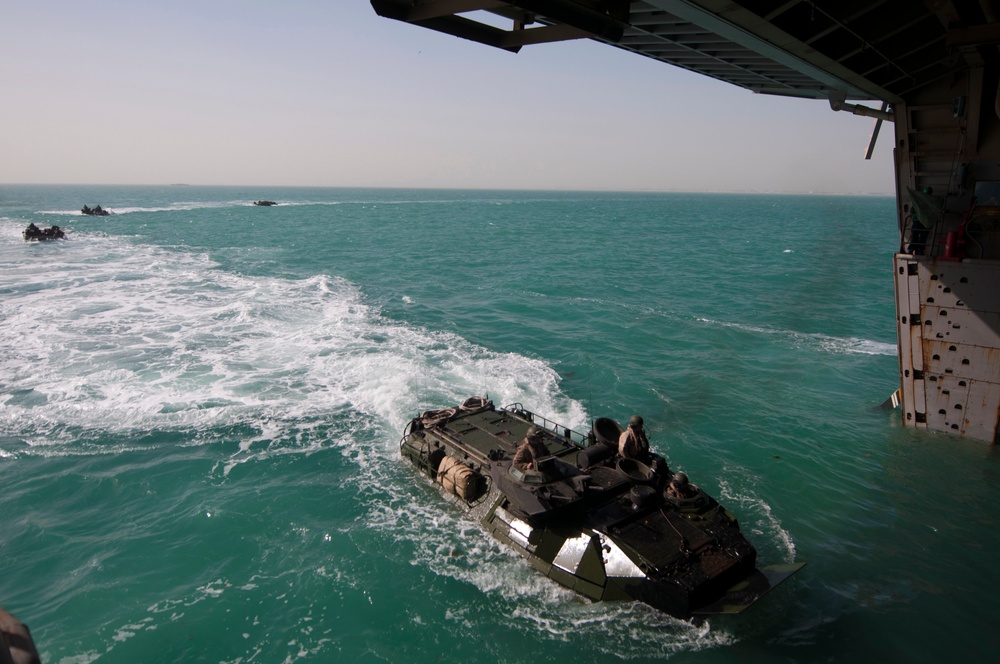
<point x="824" y="342"/>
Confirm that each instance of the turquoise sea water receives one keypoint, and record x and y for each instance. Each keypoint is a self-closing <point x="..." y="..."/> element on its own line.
<point x="201" y="400"/>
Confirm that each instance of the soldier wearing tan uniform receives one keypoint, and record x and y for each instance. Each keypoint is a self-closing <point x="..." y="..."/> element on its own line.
<point x="632" y="443"/>
<point x="531" y="450"/>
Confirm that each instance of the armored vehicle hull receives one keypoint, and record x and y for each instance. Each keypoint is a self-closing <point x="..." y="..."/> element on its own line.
<point x="35" y="234"/>
<point x="596" y="523"/>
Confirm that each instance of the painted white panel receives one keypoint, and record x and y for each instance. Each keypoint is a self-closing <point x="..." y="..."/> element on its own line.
<point x="571" y="553"/>
<point x="962" y="326"/>
<point x="616" y="563"/>
<point x="982" y="411"/>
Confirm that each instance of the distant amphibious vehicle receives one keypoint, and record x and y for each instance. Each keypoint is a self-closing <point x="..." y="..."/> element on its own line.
<point x="604" y="526"/>
<point x="35" y="234"/>
<point x="96" y="211"/>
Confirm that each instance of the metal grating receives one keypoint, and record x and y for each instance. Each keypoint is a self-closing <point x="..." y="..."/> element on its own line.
<point x="853" y="49"/>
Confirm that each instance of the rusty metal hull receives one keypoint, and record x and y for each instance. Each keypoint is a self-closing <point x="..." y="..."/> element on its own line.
<point x="948" y="323"/>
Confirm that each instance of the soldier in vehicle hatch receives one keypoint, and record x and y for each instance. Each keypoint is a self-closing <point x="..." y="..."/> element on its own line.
<point x="531" y="450"/>
<point x="632" y="443"/>
<point x="681" y="488"/>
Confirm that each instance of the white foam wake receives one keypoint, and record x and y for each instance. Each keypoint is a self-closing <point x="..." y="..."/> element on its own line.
<point x="823" y="341"/>
<point x="180" y="206"/>
<point x="101" y="334"/>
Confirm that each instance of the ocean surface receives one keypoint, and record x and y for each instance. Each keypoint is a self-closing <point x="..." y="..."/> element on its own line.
<point x="201" y="402"/>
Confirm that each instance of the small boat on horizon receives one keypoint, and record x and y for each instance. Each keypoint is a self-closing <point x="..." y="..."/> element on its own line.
<point x="264" y="203"/>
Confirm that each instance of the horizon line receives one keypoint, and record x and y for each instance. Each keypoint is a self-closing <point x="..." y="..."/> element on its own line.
<point x="498" y="189"/>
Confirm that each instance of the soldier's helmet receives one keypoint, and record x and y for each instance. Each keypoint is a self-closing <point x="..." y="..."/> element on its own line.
<point x="635" y="420"/>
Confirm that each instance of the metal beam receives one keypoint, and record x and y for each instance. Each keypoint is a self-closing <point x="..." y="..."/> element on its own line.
<point x="976" y="35"/>
<point x="569" y="12"/>
<point x="422" y="11"/>
<point x="754" y="33"/>
<point x="456" y="26"/>
<point x="542" y="35"/>
<point x="564" y="20"/>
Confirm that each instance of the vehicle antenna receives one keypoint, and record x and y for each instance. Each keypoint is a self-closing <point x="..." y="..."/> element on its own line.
<point x="590" y="395"/>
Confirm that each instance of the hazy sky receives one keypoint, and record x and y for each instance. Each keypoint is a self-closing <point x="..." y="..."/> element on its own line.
<point x="326" y="93"/>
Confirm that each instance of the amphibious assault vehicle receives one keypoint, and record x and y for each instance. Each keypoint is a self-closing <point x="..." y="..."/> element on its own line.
<point x="35" y="234"/>
<point x="599" y="524"/>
